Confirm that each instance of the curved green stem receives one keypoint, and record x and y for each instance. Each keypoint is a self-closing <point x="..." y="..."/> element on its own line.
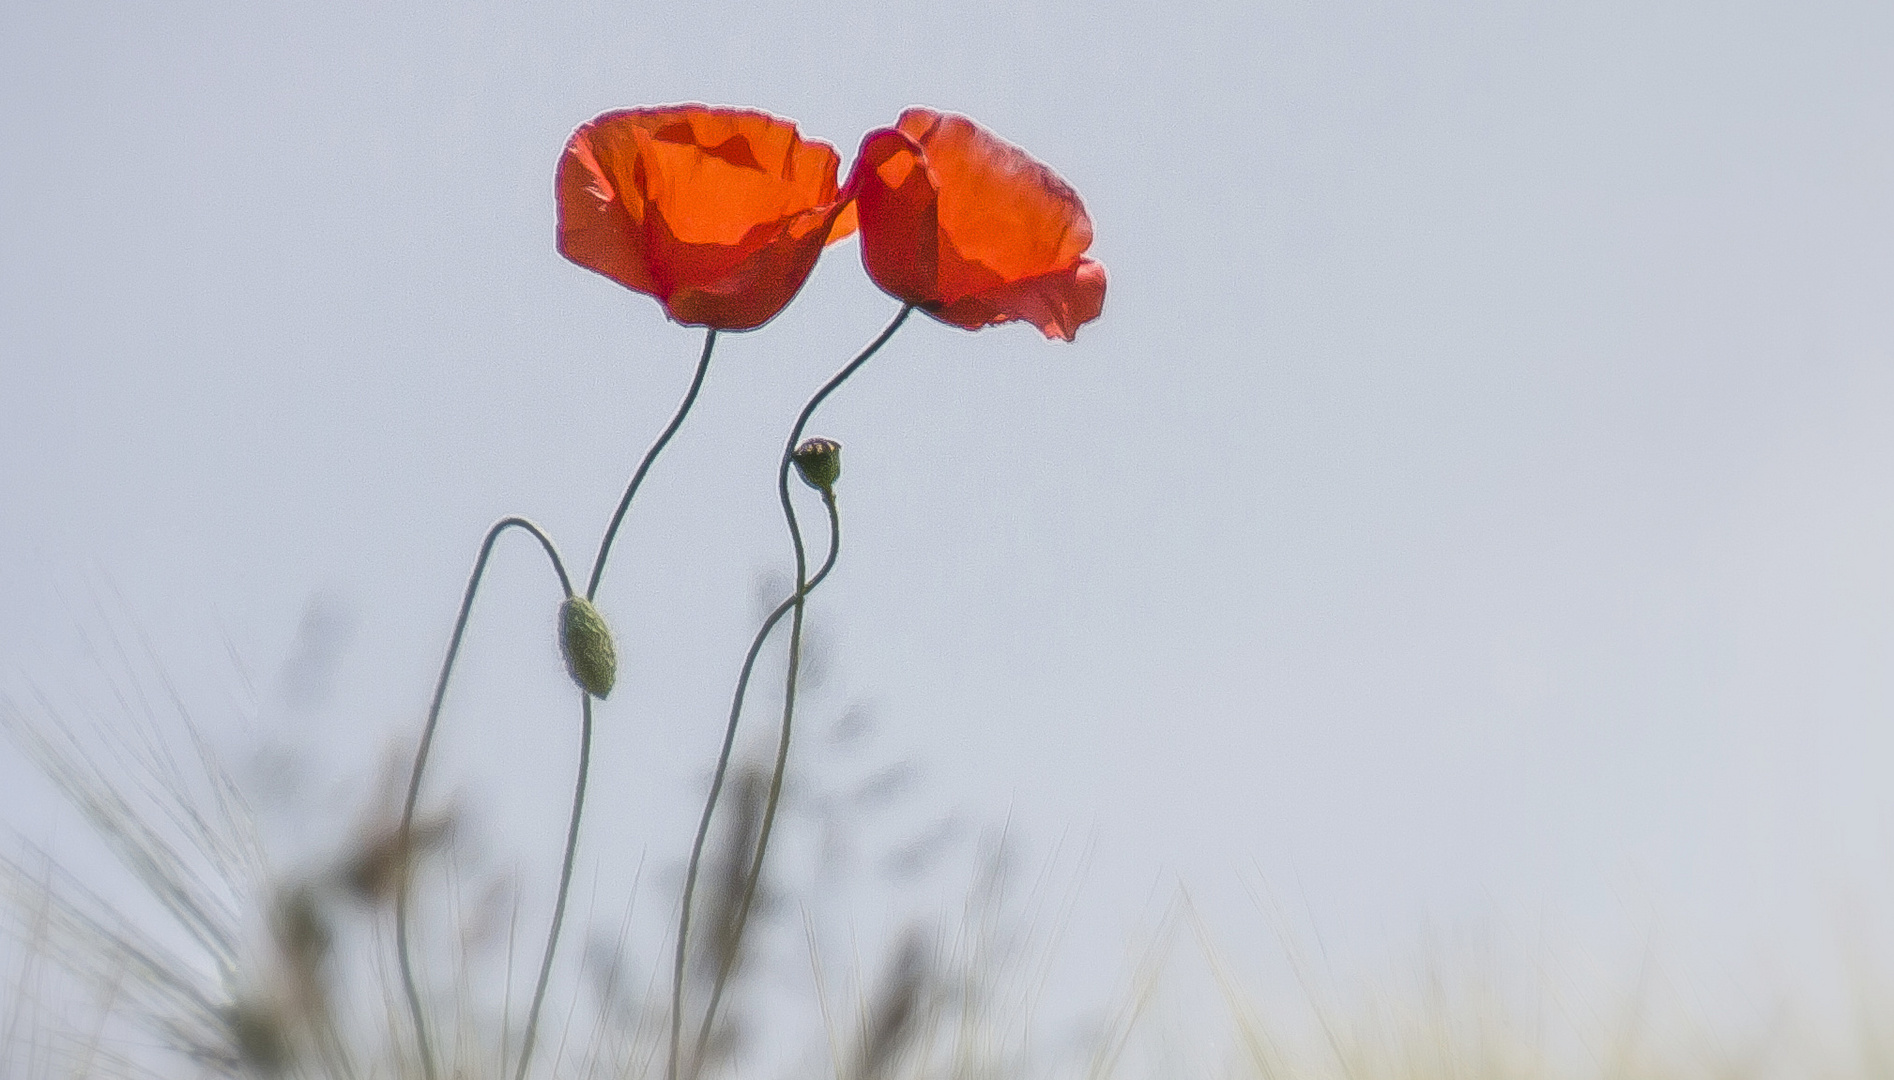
<point x="796" y="600"/>
<point x="422" y="1045"/>
<point x="691" y="873"/>
<point x="753" y="879"/>
<point x="651" y="455"/>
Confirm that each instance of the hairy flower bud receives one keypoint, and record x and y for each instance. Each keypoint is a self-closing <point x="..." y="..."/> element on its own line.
<point x="820" y="463"/>
<point x="587" y="642"/>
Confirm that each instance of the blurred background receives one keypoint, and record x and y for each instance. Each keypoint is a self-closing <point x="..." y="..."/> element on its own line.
<point x="1472" y="515"/>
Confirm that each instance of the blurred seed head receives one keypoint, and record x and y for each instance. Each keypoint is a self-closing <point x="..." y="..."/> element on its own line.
<point x="257" y="1031"/>
<point x="300" y="927"/>
<point x="730" y="872"/>
<point x="899" y="1013"/>
<point x="381" y="859"/>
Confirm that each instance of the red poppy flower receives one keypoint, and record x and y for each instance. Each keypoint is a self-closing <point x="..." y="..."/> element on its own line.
<point x="719" y="213"/>
<point x="971" y="229"/>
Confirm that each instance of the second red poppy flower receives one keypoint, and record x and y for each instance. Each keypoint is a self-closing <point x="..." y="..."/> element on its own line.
<point x="972" y="229"/>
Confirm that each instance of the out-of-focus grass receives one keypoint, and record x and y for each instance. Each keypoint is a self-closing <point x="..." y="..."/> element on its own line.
<point x="234" y="966"/>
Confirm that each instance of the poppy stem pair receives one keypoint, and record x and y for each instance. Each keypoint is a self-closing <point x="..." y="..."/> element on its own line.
<point x="693" y="870"/>
<point x="805" y="584"/>
<point x="423" y="1045"/>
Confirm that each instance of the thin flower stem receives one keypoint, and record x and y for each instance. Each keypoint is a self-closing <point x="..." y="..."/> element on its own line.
<point x="651" y="455"/>
<point x="803" y="586"/>
<point x="752" y="880"/>
<point x="585" y="730"/>
<point x="422" y="1044"/>
<point x="565" y="883"/>
<point x="723" y="767"/>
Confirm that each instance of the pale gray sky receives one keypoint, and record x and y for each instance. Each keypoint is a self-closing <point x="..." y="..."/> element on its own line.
<point x="1476" y="502"/>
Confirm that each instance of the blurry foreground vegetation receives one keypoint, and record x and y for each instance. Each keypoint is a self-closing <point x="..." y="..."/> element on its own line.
<point x="229" y="964"/>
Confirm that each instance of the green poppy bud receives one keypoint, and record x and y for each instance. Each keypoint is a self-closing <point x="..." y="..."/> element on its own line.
<point x="587" y="642"/>
<point x="820" y="463"/>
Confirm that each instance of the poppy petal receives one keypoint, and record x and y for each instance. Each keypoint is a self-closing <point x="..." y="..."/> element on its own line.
<point x="1057" y="303"/>
<point x="594" y="221"/>
<point x="749" y="292"/>
<point x="1004" y="210"/>
<point x="892" y="189"/>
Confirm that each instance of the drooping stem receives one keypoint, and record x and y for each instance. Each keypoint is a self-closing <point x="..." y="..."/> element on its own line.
<point x="406" y="838"/>
<point x="651" y="455"/>
<point x="691" y="872"/>
<point x="796" y="601"/>
<point x="429" y="1068"/>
